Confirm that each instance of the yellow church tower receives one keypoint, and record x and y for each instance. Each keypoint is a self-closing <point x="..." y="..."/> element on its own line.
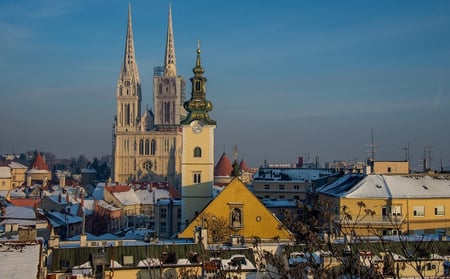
<point x="197" y="163"/>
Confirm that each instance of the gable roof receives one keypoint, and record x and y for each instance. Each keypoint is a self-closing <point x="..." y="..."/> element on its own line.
<point x="257" y="219"/>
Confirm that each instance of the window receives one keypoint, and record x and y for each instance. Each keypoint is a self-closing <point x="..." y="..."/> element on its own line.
<point x="281" y="197"/>
<point x="439" y="210"/>
<point x="266" y="187"/>
<point x="281" y="187"/>
<point x="396" y="210"/>
<point x="163" y="227"/>
<point x="141" y="147"/>
<point x="197" y="177"/>
<point x="197" y="152"/>
<point x="163" y="213"/>
<point x="153" y="147"/>
<point x="197" y="85"/>
<point x="419" y="211"/>
<point x="389" y="169"/>
<point x="65" y="263"/>
<point x="147" y="147"/>
<point x="296" y="187"/>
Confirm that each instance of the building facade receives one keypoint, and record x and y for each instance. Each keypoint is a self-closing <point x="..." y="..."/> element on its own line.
<point x="389" y="204"/>
<point x="290" y="183"/>
<point x="147" y="146"/>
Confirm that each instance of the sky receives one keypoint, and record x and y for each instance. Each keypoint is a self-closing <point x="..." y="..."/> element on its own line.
<point x="287" y="78"/>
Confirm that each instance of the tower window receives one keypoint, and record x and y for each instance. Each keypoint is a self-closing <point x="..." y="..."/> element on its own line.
<point x="153" y="147"/>
<point x="197" y="177"/>
<point x="147" y="147"/>
<point x="141" y="147"/>
<point x="197" y="85"/>
<point x="197" y="152"/>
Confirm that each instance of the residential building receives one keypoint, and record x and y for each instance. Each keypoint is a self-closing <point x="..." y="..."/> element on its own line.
<point x="167" y="218"/>
<point x="389" y="204"/>
<point x="290" y="183"/>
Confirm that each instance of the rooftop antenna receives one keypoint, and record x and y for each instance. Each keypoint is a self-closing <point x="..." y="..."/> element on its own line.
<point x="426" y="157"/>
<point x="406" y="150"/>
<point x="372" y="149"/>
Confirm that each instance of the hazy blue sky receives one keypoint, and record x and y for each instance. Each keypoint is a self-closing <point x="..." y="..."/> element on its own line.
<point x="287" y="78"/>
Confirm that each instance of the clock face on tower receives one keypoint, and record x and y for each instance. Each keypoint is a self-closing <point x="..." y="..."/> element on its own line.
<point x="127" y="83"/>
<point x="197" y="127"/>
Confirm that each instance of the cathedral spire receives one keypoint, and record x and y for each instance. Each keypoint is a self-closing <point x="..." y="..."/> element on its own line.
<point x="170" y="68"/>
<point x="198" y="106"/>
<point x="129" y="65"/>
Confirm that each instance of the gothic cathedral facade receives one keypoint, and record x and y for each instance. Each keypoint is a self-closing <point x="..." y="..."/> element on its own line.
<point x="147" y="146"/>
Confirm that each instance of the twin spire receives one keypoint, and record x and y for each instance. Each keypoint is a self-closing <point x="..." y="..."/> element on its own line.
<point x="170" y="68"/>
<point x="198" y="106"/>
<point x="129" y="65"/>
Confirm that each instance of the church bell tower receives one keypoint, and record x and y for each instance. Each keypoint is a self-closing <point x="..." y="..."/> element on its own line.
<point x="197" y="162"/>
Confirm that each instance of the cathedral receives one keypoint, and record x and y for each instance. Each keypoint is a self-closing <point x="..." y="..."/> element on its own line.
<point x="174" y="142"/>
<point x="147" y="144"/>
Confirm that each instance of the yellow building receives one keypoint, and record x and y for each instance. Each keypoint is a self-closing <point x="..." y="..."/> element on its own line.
<point x="390" y="167"/>
<point x="389" y="204"/>
<point x="237" y="212"/>
<point x="18" y="174"/>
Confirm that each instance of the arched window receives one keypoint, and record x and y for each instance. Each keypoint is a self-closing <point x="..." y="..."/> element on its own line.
<point x="197" y="152"/>
<point x="141" y="147"/>
<point x="153" y="147"/>
<point x="147" y="147"/>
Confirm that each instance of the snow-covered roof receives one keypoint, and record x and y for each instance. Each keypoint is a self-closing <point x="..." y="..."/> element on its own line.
<point x="16" y="165"/>
<point x="388" y="186"/>
<point x="291" y="174"/>
<point x="106" y="205"/>
<point x="5" y="172"/>
<point x="19" y="212"/>
<point x="58" y="219"/>
<point x="237" y="262"/>
<point x="98" y="191"/>
<point x="144" y="196"/>
<point x="17" y="193"/>
<point x="127" y="198"/>
<point x="19" y="260"/>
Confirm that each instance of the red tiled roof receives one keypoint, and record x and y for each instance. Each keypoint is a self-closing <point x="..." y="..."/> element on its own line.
<point x="243" y="166"/>
<point x="118" y="188"/>
<point x="223" y="166"/>
<point x="39" y="163"/>
<point x="173" y="192"/>
<point x="30" y="202"/>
